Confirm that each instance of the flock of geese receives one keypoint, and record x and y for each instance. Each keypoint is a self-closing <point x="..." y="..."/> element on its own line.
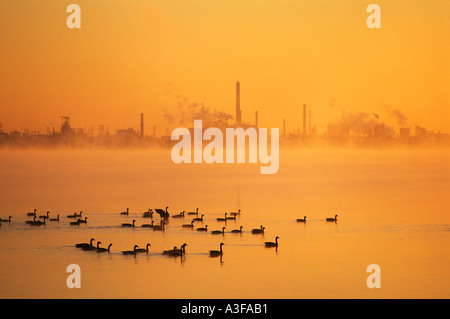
<point x="164" y="217"/>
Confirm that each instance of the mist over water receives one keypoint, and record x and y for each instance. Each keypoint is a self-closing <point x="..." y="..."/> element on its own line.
<point x="392" y="204"/>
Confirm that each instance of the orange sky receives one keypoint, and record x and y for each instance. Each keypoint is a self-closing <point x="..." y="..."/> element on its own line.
<point x="144" y="56"/>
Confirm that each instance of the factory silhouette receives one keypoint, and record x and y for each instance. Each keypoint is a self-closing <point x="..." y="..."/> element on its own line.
<point x="361" y="130"/>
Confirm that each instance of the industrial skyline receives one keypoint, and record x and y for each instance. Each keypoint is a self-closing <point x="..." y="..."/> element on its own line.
<point x="362" y="129"/>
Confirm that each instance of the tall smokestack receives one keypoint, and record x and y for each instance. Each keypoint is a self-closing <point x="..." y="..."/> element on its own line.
<point x="238" y="103"/>
<point x="256" y="119"/>
<point x="304" y="119"/>
<point x="142" y="125"/>
<point x="309" y="129"/>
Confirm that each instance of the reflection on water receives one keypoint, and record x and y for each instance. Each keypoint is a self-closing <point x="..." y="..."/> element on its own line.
<point x="392" y="207"/>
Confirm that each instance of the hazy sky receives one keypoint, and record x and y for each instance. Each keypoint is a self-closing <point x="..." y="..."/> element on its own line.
<point x="133" y="56"/>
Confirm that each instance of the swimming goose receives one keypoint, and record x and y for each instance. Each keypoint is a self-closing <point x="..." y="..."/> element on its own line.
<point x="160" y="227"/>
<point x="258" y="231"/>
<point x="237" y="230"/>
<point x="45" y="216"/>
<point x="235" y="213"/>
<point x="131" y="252"/>
<point x="191" y="225"/>
<point x="219" y="231"/>
<point x="148" y="214"/>
<point x="85" y="245"/>
<point x="148" y="225"/>
<point x="216" y="253"/>
<point x="199" y="219"/>
<point x="37" y="222"/>
<point x="302" y="220"/>
<point x="128" y="224"/>
<point x="272" y="244"/>
<point x="32" y="214"/>
<point x="125" y="213"/>
<point x="72" y="216"/>
<point x="193" y="213"/>
<point x="104" y="250"/>
<point x="332" y="219"/>
<point x="203" y="228"/>
<point x="222" y="219"/>
<point x="142" y="250"/>
<point x="6" y="220"/>
<point x="92" y="247"/>
<point x="54" y="219"/>
<point x="175" y="251"/>
<point x="78" y="215"/>
<point x="31" y="221"/>
<point x="84" y="221"/>
<point x="180" y="215"/>
<point x="77" y="223"/>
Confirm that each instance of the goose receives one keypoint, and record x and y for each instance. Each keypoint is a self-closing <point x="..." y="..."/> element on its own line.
<point x="203" y="228"/>
<point x="104" y="250"/>
<point x="163" y="213"/>
<point x="148" y="225"/>
<point x="222" y="219"/>
<point x="160" y="227"/>
<point x="171" y="251"/>
<point x="193" y="213"/>
<point x="175" y="251"/>
<point x="228" y="218"/>
<point x="216" y="232"/>
<point x="191" y="225"/>
<point x="180" y="215"/>
<point x="55" y="219"/>
<point x="258" y="230"/>
<point x="85" y="245"/>
<point x="32" y="214"/>
<point x="74" y="215"/>
<point x="77" y="223"/>
<point x="84" y="221"/>
<point x="302" y="220"/>
<point x="272" y="244"/>
<point x="142" y="250"/>
<point x="148" y="214"/>
<point x="199" y="219"/>
<point x="45" y="216"/>
<point x="31" y="221"/>
<point x="216" y="253"/>
<point x="131" y="252"/>
<point x="125" y="213"/>
<point x="332" y="219"/>
<point x="6" y="220"/>
<point x="78" y="215"/>
<point x="37" y="223"/>
<point x="237" y="230"/>
<point x="128" y="224"/>
<point x="92" y="247"/>
<point x="235" y="213"/>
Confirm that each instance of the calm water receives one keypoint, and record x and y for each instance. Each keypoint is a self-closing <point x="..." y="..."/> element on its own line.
<point x="393" y="207"/>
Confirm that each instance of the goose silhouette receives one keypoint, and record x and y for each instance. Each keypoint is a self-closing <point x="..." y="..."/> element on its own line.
<point x="272" y="244"/>
<point x="85" y="245"/>
<point x="216" y="253"/>
<point x="128" y="224"/>
<point x="301" y="220"/>
<point x="332" y="219"/>
<point x="216" y="232"/>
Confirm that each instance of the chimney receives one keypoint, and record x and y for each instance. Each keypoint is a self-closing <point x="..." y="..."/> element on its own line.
<point x="304" y="119"/>
<point x="238" y="103"/>
<point x="256" y="119"/>
<point x="142" y="125"/>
